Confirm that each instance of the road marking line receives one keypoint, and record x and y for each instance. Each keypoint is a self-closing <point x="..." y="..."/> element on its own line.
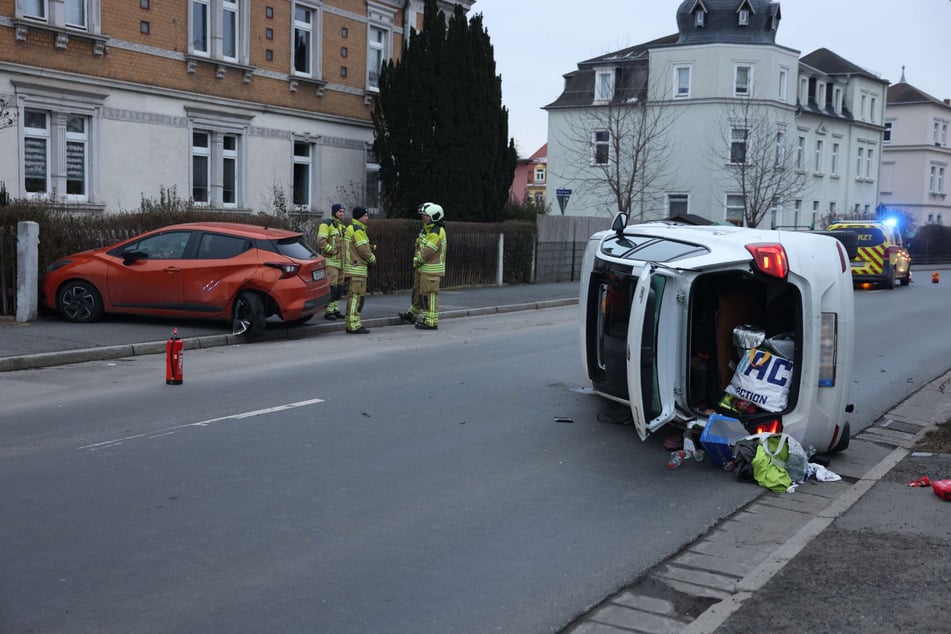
<point x="203" y="423"/>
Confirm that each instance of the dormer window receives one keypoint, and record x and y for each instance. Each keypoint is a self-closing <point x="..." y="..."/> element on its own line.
<point x="699" y="12"/>
<point x="699" y="18"/>
<point x="743" y="13"/>
<point x="604" y="85"/>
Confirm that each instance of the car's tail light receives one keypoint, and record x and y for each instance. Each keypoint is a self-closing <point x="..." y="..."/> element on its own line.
<point x="843" y="256"/>
<point x="773" y="426"/>
<point x="770" y="259"/>
<point x="288" y="269"/>
<point x="828" y="333"/>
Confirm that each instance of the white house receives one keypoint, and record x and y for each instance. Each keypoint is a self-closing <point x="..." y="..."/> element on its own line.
<point x="706" y="88"/>
<point x="916" y="155"/>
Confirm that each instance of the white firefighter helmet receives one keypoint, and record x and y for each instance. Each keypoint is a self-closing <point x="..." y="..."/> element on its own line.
<point x="434" y="211"/>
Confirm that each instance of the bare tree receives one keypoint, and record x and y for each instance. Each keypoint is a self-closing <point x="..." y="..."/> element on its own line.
<point x="762" y="165"/>
<point x="620" y="152"/>
<point x="8" y="117"/>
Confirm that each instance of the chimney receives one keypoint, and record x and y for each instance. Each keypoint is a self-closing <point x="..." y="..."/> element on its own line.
<point x="947" y="102"/>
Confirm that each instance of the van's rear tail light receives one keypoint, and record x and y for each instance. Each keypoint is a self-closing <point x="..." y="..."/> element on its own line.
<point x="287" y="269"/>
<point x="828" y="342"/>
<point x="770" y="259"/>
<point x="774" y="426"/>
<point x="843" y="256"/>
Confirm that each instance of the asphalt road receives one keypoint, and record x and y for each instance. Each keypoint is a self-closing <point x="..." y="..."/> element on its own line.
<point x="397" y="482"/>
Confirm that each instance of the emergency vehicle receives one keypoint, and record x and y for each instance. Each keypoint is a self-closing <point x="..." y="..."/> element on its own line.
<point x="881" y="257"/>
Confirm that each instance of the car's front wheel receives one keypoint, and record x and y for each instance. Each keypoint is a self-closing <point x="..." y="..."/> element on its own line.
<point x="907" y="279"/>
<point x="79" y="301"/>
<point x="248" y="315"/>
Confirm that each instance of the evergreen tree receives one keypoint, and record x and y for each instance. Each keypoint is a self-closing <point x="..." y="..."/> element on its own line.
<point x="441" y="132"/>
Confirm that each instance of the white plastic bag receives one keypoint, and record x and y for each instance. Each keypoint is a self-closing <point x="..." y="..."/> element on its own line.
<point x="763" y="379"/>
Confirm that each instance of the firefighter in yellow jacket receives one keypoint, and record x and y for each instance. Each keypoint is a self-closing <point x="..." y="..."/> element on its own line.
<point x="359" y="255"/>
<point x="330" y="237"/>
<point x="430" y="264"/>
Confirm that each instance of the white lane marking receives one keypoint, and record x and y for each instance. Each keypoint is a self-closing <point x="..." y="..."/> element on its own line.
<point x="204" y="423"/>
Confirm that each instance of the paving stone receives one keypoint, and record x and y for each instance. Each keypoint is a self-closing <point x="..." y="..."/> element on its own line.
<point x="736" y="568"/>
<point x="710" y="579"/>
<point x="648" y="604"/>
<point x="636" y="620"/>
<point x="695" y="590"/>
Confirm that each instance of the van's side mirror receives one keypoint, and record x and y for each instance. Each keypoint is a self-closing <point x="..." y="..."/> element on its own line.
<point x="620" y="221"/>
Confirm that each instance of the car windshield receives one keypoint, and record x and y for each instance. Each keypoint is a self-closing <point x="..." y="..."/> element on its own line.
<point x="293" y="247"/>
<point x="649" y="248"/>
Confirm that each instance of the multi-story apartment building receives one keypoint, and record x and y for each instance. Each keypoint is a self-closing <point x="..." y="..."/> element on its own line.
<point x="917" y="154"/>
<point x="719" y="76"/>
<point x="531" y="175"/>
<point x="236" y="104"/>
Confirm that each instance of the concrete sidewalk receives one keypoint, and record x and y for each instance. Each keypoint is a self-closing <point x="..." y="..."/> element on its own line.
<point x="52" y="341"/>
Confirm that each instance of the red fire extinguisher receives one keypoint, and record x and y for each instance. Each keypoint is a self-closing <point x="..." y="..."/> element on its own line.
<point x="174" y="348"/>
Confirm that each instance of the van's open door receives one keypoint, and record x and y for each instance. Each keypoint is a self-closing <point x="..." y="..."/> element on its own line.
<point x="651" y="354"/>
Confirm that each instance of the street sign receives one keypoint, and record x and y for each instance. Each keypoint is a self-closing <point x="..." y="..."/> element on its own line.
<point x="563" y="195"/>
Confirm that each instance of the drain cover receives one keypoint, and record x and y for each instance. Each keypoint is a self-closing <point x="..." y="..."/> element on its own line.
<point x="896" y="425"/>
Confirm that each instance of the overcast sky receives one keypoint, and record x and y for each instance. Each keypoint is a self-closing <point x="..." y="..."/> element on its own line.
<point x="537" y="41"/>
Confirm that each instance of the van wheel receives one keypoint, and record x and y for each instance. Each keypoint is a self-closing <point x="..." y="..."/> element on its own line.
<point x="907" y="279"/>
<point x="843" y="443"/>
<point x="248" y="315"/>
<point x="891" y="277"/>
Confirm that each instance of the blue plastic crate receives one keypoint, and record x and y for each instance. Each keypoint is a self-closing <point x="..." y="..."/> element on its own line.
<point x="718" y="437"/>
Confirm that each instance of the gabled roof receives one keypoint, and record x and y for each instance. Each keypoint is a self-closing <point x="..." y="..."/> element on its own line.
<point x="828" y="62"/>
<point x="904" y="93"/>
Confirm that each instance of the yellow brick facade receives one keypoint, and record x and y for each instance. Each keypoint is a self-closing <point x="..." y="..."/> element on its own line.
<point x="133" y="63"/>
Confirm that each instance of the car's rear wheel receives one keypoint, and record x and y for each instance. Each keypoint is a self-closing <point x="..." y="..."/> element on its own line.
<point x="843" y="443"/>
<point x="79" y="301"/>
<point x="892" y="274"/>
<point x="248" y="315"/>
<point x="907" y="279"/>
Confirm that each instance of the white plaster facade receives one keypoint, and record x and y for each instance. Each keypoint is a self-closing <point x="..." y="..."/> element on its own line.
<point x="916" y="163"/>
<point x="785" y="89"/>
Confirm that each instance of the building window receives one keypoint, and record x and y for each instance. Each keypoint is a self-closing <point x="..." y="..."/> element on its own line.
<point x="35" y="9"/>
<point x="303" y="40"/>
<point x="539" y="174"/>
<point x="303" y="160"/>
<point x="887" y="134"/>
<point x="677" y="204"/>
<point x="144" y="4"/>
<point x="201" y="167"/>
<point x="872" y="109"/>
<point x="821" y="95"/>
<point x="699" y="18"/>
<point x="858" y="162"/>
<point x="835" y="159"/>
<point x="804" y="91"/>
<point x="800" y="152"/>
<point x="604" y="85"/>
<point x="144" y="27"/>
<point x="832" y="209"/>
<point x="936" y="185"/>
<point x="742" y="81"/>
<point x="818" y="166"/>
<point x="863" y="115"/>
<point x="744" y="17"/>
<point x="783" y="80"/>
<point x="209" y="18"/>
<point x="735" y="209"/>
<point x="780" y="149"/>
<point x="216" y="165"/>
<point x="46" y="169"/>
<point x="377" y="54"/>
<point x="201" y="26"/>
<point x="602" y="153"/>
<point x="837" y="99"/>
<point x="682" y="81"/>
<point x="738" y="145"/>
<point x="868" y="162"/>
<point x="940" y="134"/>
<point x="75" y="13"/>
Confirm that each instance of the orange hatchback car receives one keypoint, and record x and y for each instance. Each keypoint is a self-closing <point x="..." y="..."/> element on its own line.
<point x="209" y="270"/>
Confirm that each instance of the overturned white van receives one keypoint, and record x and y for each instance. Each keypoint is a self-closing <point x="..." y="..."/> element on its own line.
<point x="664" y="307"/>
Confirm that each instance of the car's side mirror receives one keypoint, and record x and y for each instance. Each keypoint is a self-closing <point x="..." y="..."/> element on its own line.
<point x="134" y="256"/>
<point x="620" y="221"/>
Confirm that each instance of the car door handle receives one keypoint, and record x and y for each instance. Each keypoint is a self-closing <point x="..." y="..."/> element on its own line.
<point x="172" y="269"/>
